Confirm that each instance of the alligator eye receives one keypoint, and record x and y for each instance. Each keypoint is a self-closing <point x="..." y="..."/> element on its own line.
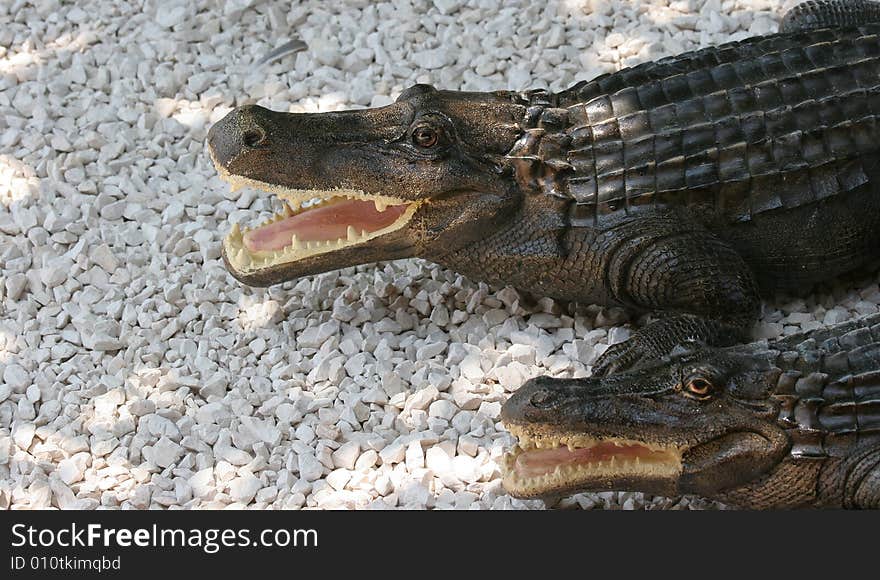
<point x="699" y="387"/>
<point x="425" y="136"/>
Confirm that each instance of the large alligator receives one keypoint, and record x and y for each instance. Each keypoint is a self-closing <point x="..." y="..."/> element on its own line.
<point x="685" y="186"/>
<point x="793" y="423"/>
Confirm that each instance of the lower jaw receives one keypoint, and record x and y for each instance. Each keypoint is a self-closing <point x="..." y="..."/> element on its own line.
<point x="391" y="248"/>
<point x="533" y="490"/>
<point x="245" y="262"/>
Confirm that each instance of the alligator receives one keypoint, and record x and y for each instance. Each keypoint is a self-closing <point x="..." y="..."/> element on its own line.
<point x="688" y="187"/>
<point x="785" y="424"/>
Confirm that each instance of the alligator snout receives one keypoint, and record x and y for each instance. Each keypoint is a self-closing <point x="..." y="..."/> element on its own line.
<point x="244" y="128"/>
<point x="535" y="397"/>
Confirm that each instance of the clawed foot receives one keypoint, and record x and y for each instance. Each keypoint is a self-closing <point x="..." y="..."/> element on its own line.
<point x="620" y="357"/>
<point x="664" y="337"/>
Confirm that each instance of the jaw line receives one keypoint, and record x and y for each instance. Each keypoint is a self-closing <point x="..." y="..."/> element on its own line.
<point x="246" y="262"/>
<point x="661" y="463"/>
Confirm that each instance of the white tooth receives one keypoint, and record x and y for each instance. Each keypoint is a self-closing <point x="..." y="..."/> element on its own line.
<point x="245" y="230"/>
<point x="364" y="233"/>
<point x="309" y="245"/>
<point x="381" y="205"/>
<point x="328" y="243"/>
<point x="235" y="232"/>
<point x="233" y="187"/>
<point x="294" y="243"/>
<point x="351" y="234"/>
<point x="288" y="211"/>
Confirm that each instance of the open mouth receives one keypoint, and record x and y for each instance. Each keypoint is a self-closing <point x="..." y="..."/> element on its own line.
<point x="547" y="464"/>
<point x="311" y="222"/>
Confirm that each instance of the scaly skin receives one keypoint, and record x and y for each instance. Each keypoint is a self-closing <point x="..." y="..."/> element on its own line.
<point x="685" y="187"/>
<point x="793" y="423"/>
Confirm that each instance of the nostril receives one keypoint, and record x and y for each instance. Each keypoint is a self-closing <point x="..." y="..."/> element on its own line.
<point x="253" y="137"/>
<point x="541" y="399"/>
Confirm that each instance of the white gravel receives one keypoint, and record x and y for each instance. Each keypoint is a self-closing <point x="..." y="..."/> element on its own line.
<point x="137" y="373"/>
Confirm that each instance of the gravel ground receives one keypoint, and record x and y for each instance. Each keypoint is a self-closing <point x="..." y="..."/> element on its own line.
<point x="136" y="373"/>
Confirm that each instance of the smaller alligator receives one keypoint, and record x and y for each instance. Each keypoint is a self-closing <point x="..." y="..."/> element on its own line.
<point x="792" y="423"/>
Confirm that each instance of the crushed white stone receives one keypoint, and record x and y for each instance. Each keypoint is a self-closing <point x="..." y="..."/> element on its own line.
<point x="137" y="373"/>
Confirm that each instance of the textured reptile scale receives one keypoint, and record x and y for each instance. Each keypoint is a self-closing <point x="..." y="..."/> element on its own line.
<point x="831" y="401"/>
<point x="743" y="128"/>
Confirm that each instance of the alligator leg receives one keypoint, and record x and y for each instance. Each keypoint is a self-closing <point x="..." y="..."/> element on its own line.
<point x="866" y="494"/>
<point x="852" y="482"/>
<point x="703" y="289"/>
<point x="814" y="14"/>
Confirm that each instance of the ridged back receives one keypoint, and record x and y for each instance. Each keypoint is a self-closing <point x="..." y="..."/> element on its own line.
<point x="830" y="394"/>
<point x="747" y="127"/>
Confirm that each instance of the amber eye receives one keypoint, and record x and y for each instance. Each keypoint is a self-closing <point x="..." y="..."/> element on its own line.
<point x="425" y="136"/>
<point x="699" y="387"/>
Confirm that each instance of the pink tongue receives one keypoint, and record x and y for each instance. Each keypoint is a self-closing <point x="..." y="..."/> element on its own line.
<point x="321" y="224"/>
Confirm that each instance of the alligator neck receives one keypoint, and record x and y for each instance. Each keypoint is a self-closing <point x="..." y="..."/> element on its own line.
<point x="827" y="399"/>
<point x="527" y="241"/>
<point x="829" y="390"/>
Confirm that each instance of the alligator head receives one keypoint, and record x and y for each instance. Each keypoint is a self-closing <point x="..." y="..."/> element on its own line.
<point x="366" y="185"/>
<point x="697" y="423"/>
